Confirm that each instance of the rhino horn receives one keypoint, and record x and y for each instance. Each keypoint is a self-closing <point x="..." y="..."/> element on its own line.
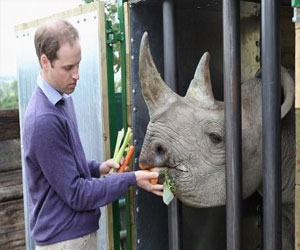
<point x="288" y="87"/>
<point x="200" y="90"/>
<point x="156" y="93"/>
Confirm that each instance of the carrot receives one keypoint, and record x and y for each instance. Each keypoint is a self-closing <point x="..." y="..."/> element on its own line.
<point x="152" y="180"/>
<point x="127" y="159"/>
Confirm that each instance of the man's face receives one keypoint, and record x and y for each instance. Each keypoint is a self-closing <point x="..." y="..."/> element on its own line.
<point x="63" y="74"/>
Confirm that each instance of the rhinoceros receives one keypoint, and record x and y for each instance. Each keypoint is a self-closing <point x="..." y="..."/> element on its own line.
<point x="186" y="136"/>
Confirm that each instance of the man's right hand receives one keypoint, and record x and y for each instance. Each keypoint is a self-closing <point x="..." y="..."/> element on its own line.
<point x="143" y="181"/>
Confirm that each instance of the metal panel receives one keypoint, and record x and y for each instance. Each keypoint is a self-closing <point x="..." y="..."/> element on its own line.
<point x="87" y="96"/>
<point x="151" y="215"/>
<point x="202" y="228"/>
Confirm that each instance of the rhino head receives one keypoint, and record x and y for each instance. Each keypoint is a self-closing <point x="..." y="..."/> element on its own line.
<point x="186" y="134"/>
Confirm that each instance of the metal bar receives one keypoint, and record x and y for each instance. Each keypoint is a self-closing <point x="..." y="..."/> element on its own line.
<point x="232" y="99"/>
<point x="170" y="79"/>
<point x="169" y="44"/>
<point x="271" y="125"/>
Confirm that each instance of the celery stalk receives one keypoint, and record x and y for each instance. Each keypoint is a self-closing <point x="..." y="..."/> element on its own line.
<point x="126" y="141"/>
<point x="118" y="142"/>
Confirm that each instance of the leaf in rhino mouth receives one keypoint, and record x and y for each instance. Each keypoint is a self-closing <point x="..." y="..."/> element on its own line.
<point x="169" y="187"/>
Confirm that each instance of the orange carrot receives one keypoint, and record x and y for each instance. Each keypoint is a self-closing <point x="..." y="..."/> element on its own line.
<point x="127" y="159"/>
<point x="152" y="180"/>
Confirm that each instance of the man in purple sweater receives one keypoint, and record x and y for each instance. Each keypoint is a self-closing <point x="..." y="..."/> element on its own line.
<point x="65" y="191"/>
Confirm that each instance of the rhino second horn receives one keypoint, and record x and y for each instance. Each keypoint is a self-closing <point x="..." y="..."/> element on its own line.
<point x="200" y="90"/>
<point x="156" y="93"/>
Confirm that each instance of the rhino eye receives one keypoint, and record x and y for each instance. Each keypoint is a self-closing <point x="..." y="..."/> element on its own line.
<point x="215" y="138"/>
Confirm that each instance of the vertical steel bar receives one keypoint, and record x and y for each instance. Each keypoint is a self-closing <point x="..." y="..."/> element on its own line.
<point x="169" y="44"/>
<point x="232" y="99"/>
<point x="170" y="79"/>
<point x="271" y="125"/>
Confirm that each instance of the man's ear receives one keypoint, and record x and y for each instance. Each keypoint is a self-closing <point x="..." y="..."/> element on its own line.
<point x="44" y="61"/>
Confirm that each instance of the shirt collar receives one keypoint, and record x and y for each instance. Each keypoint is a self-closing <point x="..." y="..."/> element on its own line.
<point x="52" y="94"/>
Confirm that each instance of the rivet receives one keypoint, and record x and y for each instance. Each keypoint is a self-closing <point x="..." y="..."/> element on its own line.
<point x="132" y="57"/>
<point x="131" y="40"/>
<point x="136" y="160"/>
<point x="137" y="209"/>
<point x="134" y="109"/>
<point x="135" y="142"/>
<point x="138" y="241"/>
<point x="133" y="91"/>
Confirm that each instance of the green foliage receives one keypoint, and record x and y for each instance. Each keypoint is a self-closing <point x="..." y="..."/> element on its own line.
<point x="8" y="95"/>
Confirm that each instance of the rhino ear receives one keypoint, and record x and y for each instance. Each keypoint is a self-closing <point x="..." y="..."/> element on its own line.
<point x="200" y="90"/>
<point x="288" y="87"/>
<point x="156" y="93"/>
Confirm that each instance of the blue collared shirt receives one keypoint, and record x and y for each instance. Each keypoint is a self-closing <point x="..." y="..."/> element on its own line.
<point x="52" y="94"/>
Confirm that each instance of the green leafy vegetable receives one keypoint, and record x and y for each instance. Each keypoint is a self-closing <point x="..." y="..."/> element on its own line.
<point x="169" y="187"/>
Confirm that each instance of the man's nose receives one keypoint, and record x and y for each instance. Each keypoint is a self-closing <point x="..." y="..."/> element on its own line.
<point x="75" y="74"/>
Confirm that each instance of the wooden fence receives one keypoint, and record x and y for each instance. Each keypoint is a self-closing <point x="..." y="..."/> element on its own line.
<point x="12" y="228"/>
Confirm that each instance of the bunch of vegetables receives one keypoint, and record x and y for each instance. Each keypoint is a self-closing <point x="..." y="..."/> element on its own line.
<point x="169" y="186"/>
<point x="126" y="147"/>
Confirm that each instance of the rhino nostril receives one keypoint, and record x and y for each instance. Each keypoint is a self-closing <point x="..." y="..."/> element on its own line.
<point x="160" y="155"/>
<point x="160" y="150"/>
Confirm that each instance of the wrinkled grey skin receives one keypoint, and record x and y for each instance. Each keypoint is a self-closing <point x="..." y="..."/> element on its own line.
<point x="186" y="135"/>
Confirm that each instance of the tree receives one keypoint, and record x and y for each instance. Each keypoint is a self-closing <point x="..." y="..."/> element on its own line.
<point x="111" y="12"/>
<point x="9" y="95"/>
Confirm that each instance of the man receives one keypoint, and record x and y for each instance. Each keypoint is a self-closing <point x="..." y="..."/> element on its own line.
<point x="65" y="191"/>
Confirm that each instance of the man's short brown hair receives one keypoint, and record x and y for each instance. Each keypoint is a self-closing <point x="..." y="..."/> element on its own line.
<point x="50" y="36"/>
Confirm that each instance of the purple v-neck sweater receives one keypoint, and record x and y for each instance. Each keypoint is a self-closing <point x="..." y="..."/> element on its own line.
<point x="64" y="198"/>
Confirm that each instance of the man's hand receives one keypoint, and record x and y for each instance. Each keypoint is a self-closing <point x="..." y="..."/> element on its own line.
<point x="142" y="179"/>
<point x="107" y="165"/>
